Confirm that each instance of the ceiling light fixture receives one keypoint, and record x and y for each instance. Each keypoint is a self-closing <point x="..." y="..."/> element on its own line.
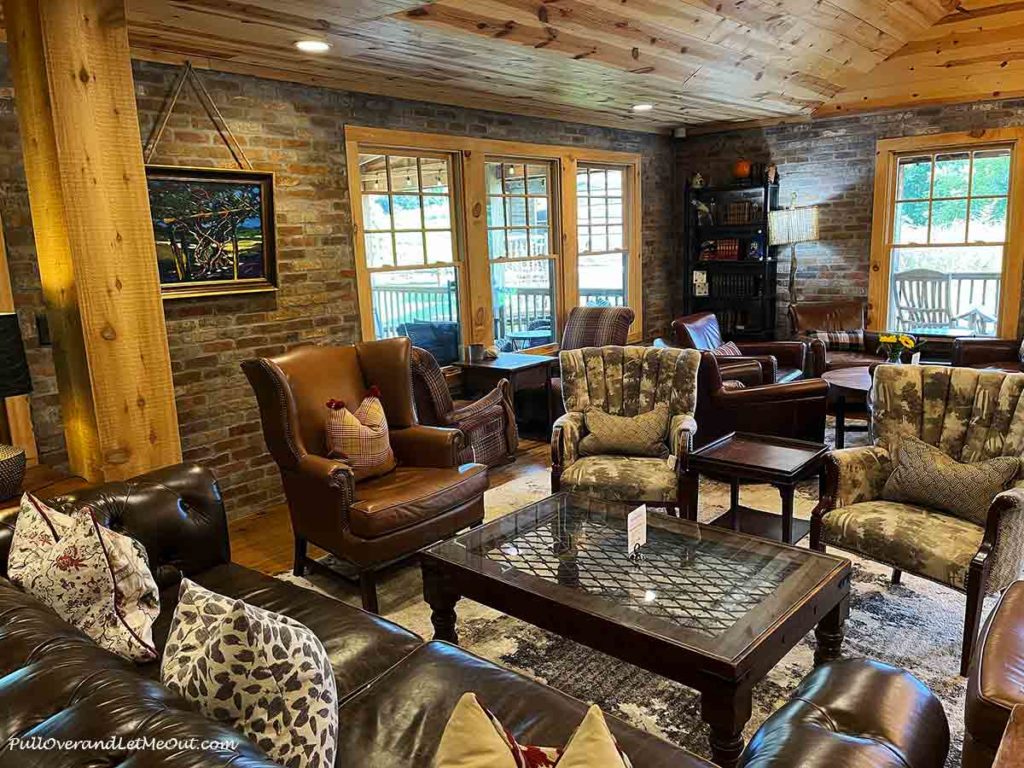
<point x="643" y="107"/>
<point x="313" y="46"/>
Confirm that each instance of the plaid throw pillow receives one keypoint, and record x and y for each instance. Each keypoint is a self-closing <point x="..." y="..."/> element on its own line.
<point x="641" y="435"/>
<point x="840" y="341"/>
<point x="728" y="349"/>
<point x="360" y="437"/>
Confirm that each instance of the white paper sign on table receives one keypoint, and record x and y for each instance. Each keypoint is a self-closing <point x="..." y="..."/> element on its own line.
<point x="636" y="529"/>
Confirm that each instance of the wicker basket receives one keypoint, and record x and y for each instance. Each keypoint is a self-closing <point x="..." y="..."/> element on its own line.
<point x="12" y="470"/>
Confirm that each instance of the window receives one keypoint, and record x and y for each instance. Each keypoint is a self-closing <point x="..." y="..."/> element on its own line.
<point x="408" y="230"/>
<point x="520" y="247"/>
<point x="603" y="262"/>
<point x="942" y="264"/>
<point x="468" y="240"/>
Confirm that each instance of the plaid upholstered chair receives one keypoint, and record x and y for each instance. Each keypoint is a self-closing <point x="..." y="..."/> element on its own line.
<point x="591" y="327"/>
<point x="625" y="381"/>
<point x="969" y="415"/>
<point x="489" y="424"/>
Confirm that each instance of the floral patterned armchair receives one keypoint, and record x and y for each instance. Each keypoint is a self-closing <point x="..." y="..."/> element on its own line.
<point x="971" y="415"/>
<point x="489" y="424"/>
<point x="625" y="381"/>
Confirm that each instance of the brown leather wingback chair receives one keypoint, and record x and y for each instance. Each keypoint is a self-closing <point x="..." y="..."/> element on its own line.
<point x="1000" y="354"/>
<point x="834" y="315"/>
<point x="781" y="361"/>
<point x="377" y="521"/>
<point x="795" y="409"/>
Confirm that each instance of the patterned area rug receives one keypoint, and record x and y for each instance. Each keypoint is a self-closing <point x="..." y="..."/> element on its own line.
<point x="916" y="625"/>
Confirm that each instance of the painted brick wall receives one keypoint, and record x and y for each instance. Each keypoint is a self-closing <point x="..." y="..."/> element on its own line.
<point x="297" y="132"/>
<point x="831" y="163"/>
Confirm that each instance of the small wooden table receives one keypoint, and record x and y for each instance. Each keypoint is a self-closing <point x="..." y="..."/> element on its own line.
<point x="846" y="385"/>
<point x="520" y="369"/>
<point x="780" y="461"/>
<point x="45" y="482"/>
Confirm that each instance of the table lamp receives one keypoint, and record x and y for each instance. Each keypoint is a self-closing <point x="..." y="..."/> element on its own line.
<point x="790" y="226"/>
<point x="14" y="381"/>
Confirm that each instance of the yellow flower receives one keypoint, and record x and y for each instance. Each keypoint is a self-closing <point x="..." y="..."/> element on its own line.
<point x="908" y="341"/>
<point x="889" y="338"/>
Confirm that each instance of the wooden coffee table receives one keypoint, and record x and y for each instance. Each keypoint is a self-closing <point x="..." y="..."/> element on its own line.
<point x="848" y="386"/>
<point x="707" y="607"/>
<point x="779" y="461"/>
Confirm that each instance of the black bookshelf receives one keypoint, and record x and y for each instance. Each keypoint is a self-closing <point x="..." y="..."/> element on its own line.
<point x="727" y="241"/>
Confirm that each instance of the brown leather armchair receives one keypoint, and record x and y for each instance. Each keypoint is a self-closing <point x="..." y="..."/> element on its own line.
<point x="781" y="361"/>
<point x="489" y="424"/>
<point x="377" y="521"/>
<point x="795" y="409"/>
<point x="835" y="315"/>
<point x="1001" y="354"/>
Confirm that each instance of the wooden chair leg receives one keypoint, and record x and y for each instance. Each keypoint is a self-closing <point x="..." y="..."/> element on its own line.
<point x="897" y="576"/>
<point x="975" y="597"/>
<point x="299" y="567"/>
<point x="368" y="590"/>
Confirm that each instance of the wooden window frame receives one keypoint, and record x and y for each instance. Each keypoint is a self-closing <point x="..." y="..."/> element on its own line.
<point x="469" y="190"/>
<point x="887" y="155"/>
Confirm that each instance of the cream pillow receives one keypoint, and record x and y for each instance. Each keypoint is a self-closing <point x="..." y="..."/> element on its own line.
<point x="360" y="437"/>
<point x="266" y="675"/>
<point x="593" y="745"/>
<point x="95" y="579"/>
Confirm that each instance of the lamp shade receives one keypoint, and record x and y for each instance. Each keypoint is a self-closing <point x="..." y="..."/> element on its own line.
<point x="14" y="376"/>
<point x="793" y="225"/>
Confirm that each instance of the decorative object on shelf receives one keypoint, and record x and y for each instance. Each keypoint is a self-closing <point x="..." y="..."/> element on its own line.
<point x="728" y="249"/>
<point x="893" y="345"/>
<point x="790" y="226"/>
<point x="704" y="216"/>
<point x="739" y="212"/>
<point x="741" y="169"/>
<point x="700" y="283"/>
<point x="14" y="381"/>
<point x="755" y="250"/>
<point x="697" y="181"/>
<point x="214" y="228"/>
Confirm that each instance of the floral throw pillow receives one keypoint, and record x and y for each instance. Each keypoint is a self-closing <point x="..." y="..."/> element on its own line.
<point x="264" y="674"/>
<point x="95" y="579"/>
<point x="360" y="437"/>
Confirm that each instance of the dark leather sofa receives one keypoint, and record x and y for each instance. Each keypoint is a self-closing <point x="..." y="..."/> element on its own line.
<point x="396" y="691"/>
<point x="1001" y="354"/>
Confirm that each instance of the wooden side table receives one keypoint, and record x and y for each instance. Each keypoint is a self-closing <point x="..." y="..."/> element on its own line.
<point x="846" y="386"/>
<point x="779" y="461"/>
<point x="45" y="482"/>
<point x="521" y="370"/>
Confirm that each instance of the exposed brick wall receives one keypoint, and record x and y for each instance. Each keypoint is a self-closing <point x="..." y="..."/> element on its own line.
<point x="831" y="163"/>
<point x="297" y="132"/>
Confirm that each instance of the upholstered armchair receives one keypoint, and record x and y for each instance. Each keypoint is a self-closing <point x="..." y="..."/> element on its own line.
<point x="806" y="317"/>
<point x="372" y="522"/>
<point x="625" y="381"/>
<point x="1001" y="354"/>
<point x="590" y="327"/>
<point x="488" y="424"/>
<point x="970" y="415"/>
<point x="781" y="361"/>
<point x="728" y="404"/>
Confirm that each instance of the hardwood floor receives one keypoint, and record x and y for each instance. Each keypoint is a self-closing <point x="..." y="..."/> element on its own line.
<point x="264" y="541"/>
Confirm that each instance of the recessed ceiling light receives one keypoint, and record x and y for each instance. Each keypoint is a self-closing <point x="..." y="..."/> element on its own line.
<point x="313" y="46"/>
<point x="643" y="107"/>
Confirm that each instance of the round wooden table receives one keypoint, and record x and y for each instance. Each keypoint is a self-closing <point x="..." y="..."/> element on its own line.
<point x="847" y="384"/>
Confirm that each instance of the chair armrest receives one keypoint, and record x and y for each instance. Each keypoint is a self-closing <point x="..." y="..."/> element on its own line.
<point x="968" y="352"/>
<point x="566" y="433"/>
<point x="1004" y="538"/>
<point x="423" y="446"/>
<point x="791" y="354"/>
<point x="853" y="475"/>
<point x="768" y="364"/>
<point x="794" y="390"/>
<point x="680" y="435"/>
<point x="745" y="370"/>
<point x="317" y="489"/>
<point x="816" y="358"/>
<point x="480" y="409"/>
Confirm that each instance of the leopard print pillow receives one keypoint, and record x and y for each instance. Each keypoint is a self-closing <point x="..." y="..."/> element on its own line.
<point x="260" y="672"/>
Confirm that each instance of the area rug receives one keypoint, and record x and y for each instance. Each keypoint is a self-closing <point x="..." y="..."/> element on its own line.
<point x="916" y="625"/>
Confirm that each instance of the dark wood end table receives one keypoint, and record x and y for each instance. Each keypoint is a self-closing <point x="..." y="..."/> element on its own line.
<point x="710" y="608"/>
<point x="848" y="386"/>
<point x="519" y="368"/>
<point x="779" y="461"/>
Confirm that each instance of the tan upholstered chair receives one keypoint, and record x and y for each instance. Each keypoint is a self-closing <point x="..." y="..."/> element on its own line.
<point x="625" y="381"/>
<point x="489" y="424"/>
<point x="971" y="415"/>
<point x="430" y="496"/>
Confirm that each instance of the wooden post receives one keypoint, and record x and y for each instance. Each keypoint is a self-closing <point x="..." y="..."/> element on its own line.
<point x="90" y="212"/>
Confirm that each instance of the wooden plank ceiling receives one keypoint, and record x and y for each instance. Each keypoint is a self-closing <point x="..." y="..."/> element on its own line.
<point x="699" y="62"/>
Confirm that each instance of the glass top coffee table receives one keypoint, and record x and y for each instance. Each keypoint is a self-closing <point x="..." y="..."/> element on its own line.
<point x="710" y="608"/>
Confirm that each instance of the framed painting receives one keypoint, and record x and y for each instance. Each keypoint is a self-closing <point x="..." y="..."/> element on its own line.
<point x="214" y="230"/>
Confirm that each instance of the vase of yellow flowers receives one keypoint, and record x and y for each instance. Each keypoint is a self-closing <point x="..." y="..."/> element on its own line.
<point x="893" y="345"/>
